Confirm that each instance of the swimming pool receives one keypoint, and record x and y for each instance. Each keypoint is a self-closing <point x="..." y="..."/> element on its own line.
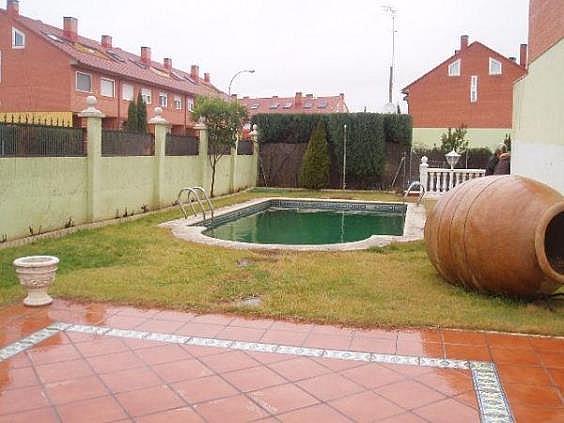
<point x="305" y="224"/>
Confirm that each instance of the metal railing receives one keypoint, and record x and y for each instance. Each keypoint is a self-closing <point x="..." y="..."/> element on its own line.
<point x="195" y="191"/>
<point x="245" y="148"/>
<point x="181" y="145"/>
<point x="122" y="143"/>
<point x="24" y="140"/>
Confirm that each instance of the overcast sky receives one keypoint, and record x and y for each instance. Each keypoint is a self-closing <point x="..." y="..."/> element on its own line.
<point x="322" y="47"/>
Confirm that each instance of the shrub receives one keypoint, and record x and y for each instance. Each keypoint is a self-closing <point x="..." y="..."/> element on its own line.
<point x="315" y="167"/>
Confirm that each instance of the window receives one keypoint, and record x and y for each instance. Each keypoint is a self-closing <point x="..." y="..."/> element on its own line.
<point x="189" y="104"/>
<point x="146" y="95"/>
<point x="454" y="68"/>
<point x="177" y="103"/>
<point x="473" y="89"/>
<point x="107" y="87"/>
<point x="83" y="82"/>
<point x="163" y="100"/>
<point x="127" y="92"/>
<point x="495" y="67"/>
<point x="18" y="38"/>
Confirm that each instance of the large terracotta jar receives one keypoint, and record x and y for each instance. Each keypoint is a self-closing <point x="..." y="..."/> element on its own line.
<point x="499" y="234"/>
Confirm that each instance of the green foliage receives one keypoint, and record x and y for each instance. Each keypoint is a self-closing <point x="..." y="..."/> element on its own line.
<point x="367" y="134"/>
<point x="507" y="141"/>
<point x="224" y="120"/>
<point x="132" y="123"/>
<point x="315" y="166"/>
<point x="454" y="140"/>
<point x="141" y="114"/>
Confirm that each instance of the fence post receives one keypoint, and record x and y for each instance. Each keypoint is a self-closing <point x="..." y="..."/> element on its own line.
<point x="161" y="129"/>
<point x="256" y="152"/>
<point x="233" y="167"/>
<point x="203" y="154"/>
<point x="94" y="154"/>
<point x="423" y="174"/>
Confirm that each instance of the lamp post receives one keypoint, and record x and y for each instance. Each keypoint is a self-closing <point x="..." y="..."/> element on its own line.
<point x="452" y="159"/>
<point x="236" y="75"/>
<point x="389" y="107"/>
<point x="345" y="156"/>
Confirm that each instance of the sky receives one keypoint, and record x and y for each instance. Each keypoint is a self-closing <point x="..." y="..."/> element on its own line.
<point x="323" y="47"/>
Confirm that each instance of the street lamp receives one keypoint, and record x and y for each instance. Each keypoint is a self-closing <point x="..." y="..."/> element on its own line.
<point x="236" y="75"/>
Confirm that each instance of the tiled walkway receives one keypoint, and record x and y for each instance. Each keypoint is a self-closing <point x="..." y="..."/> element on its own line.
<point x="215" y="368"/>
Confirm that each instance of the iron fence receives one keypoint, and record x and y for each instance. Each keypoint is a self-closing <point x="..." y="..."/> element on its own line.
<point x="181" y="145"/>
<point x="121" y="143"/>
<point x="24" y="140"/>
<point x="245" y="148"/>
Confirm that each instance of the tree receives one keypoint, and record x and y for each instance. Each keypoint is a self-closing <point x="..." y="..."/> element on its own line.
<point x="507" y="141"/>
<point x="141" y="114"/>
<point x="132" y="123"/>
<point x="454" y="140"/>
<point x="224" y="120"/>
<point x="315" y="166"/>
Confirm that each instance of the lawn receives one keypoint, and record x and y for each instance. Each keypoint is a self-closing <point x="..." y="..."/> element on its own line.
<point x="140" y="264"/>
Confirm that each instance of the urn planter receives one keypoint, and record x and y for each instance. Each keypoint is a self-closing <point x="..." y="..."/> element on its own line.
<point x="36" y="274"/>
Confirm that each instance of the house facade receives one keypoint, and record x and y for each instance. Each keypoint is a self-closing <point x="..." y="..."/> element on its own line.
<point x="538" y="142"/>
<point x="48" y="71"/>
<point x="308" y="104"/>
<point x="474" y="88"/>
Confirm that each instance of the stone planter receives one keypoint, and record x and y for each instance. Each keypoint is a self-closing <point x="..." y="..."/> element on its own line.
<point x="36" y="274"/>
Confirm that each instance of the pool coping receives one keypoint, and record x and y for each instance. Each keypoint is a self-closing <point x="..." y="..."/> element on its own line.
<point x="188" y="229"/>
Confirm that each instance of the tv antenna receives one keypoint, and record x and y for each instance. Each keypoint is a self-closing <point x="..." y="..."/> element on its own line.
<point x="392" y="12"/>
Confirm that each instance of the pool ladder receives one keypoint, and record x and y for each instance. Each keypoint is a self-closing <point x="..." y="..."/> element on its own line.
<point x="194" y="191"/>
<point x="421" y="191"/>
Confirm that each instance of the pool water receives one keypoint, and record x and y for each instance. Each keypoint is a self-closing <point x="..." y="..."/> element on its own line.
<point x="308" y="226"/>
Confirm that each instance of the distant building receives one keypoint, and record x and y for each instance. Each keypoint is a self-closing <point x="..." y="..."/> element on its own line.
<point x="472" y="87"/>
<point x="46" y="70"/>
<point x="538" y="99"/>
<point x="298" y="104"/>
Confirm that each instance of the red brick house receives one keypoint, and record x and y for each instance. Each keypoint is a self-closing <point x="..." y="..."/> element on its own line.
<point x="297" y="104"/>
<point x="472" y="87"/>
<point x="44" y="69"/>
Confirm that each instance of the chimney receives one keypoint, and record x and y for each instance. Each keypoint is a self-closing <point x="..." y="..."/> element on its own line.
<point x="342" y="96"/>
<point x="13" y="7"/>
<point x="107" y="41"/>
<point x="309" y="95"/>
<point x="70" y="28"/>
<point x="207" y="77"/>
<point x="146" y="55"/>
<point x="523" y="56"/>
<point x="195" y="72"/>
<point x="513" y="59"/>
<point x="298" y="99"/>
<point x="463" y="42"/>
<point x="274" y="96"/>
<point x="234" y="96"/>
<point x="167" y="63"/>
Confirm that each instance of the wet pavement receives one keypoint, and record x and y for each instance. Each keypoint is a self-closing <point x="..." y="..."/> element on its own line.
<point x="109" y="363"/>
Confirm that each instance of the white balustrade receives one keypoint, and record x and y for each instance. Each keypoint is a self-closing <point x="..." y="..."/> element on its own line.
<point x="438" y="180"/>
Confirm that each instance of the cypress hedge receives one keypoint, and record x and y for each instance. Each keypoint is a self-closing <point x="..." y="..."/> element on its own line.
<point x="367" y="134"/>
<point x="315" y="167"/>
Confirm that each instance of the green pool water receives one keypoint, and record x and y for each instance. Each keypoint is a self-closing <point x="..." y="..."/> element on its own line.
<point x="309" y="226"/>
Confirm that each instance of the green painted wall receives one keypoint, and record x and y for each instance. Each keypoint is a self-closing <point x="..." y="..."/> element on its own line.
<point x="42" y="192"/>
<point x="479" y="137"/>
<point x="180" y="172"/>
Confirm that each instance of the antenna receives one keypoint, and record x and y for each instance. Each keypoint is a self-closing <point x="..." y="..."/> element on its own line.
<point x="392" y="12"/>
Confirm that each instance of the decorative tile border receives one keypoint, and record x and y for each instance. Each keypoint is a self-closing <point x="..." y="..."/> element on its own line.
<point x="492" y="401"/>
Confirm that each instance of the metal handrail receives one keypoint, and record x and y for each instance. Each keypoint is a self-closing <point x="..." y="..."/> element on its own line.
<point x="421" y="191"/>
<point x="195" y="190"/>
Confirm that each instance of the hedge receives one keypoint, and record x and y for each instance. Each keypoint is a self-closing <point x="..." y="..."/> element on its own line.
<point x="367" y="134"/>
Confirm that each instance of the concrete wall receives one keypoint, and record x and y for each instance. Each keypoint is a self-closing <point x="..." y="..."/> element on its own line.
<point x="44" y="192"/>
<point x="538" y="121"/>
<point x="479" y="137"/>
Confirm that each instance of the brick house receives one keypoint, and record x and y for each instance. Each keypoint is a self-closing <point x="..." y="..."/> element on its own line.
<point x="48" y="70"/>
<point x="297" y="104"/>
<point x="538" y="142"/>
<point x="472" y="87"/>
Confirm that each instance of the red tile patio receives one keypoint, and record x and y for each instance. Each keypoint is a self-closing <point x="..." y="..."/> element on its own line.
<point x="80" y="377"/>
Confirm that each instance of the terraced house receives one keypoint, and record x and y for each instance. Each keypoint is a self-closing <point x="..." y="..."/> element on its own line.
<point x="298" y="104"/>
<point x="48" y="71"/>
<point x="473" y="87"/>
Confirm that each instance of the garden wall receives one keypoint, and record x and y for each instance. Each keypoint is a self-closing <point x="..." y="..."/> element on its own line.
<point x="47" y="193"/>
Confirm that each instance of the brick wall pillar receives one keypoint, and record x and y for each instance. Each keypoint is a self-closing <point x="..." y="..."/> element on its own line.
<point x="94" y="152"/>
<point x="233" y="165"/>
<point x="256" y="152"/>
<point x="161" y="126"/>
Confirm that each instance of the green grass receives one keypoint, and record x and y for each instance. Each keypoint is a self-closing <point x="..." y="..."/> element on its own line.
<point x="140" y="264"/>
